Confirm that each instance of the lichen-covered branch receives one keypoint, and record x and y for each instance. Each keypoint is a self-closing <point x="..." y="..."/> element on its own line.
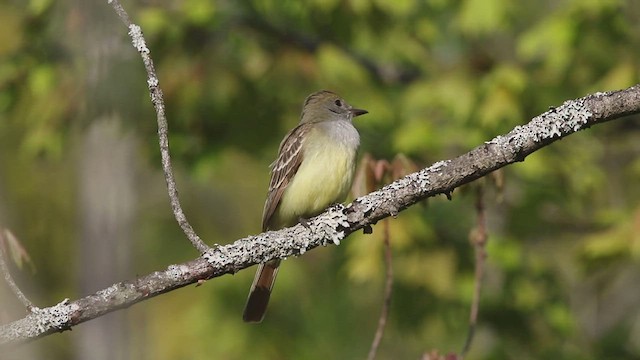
<point x="163" y="133"/>
<point x="339" y="221"/>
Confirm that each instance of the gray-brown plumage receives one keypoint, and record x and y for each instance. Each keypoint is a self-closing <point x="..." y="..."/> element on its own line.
<point x="314" y="169"/>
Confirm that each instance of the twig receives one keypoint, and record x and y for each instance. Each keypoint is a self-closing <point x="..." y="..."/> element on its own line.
<point x="139" y="43"/>
<point x="7" y="274"/>
<point x="388" y="288"/>
<point x="478" y="238"/>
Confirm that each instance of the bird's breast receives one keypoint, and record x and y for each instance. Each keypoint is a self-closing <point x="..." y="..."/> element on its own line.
<point x="325" y="174"/>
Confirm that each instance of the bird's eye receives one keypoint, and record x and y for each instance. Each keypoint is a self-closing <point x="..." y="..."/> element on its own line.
<point x="338" y="103"/>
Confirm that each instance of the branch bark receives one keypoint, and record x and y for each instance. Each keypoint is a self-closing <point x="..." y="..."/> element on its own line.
<point x="339" y="221"/>
<point x="153" y="84"/>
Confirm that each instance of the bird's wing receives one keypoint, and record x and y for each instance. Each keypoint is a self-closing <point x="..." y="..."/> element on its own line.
<point x="283" y="170"/>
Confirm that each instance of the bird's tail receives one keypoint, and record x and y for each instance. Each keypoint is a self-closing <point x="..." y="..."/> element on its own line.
<point x="260" y="292"/>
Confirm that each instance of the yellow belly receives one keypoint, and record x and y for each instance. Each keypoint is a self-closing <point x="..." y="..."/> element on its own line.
<point x="324" y="178"/>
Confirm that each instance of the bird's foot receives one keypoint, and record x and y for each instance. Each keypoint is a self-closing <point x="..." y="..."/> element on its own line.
<point x="304" y="222"/>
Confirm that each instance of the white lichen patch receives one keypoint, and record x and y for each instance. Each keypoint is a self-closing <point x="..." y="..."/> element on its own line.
<point x="437" y="167"/>
<point x="397" y="185"/>
<point x="55" y="317"/>
<point x="303" y="245"/>
<point x="519" y="135"/>
<point x="326" y="226"/>
<point x="213" y="257"/>
<point x="337" y="237"/>
<point x="109" y="292"/>
<point x="137" y="39"/>
<point x="367" y="204"/>
<point x="176" y="272"/>
<point x="423" y="178"/>
<point x="152" y="82"/>
<point x="558" y="122"/>
<point x="498" y="140"/>
<point x="337" y="214"/>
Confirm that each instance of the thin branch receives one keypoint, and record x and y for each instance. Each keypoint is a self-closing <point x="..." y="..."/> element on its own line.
<point x="153" y="83"/>
<point x="388" y="288"/>
<point x="479" y="239"/>
<point x="7" y="274"/>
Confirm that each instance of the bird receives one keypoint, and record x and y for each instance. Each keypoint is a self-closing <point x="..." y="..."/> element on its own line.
<point x="314" y="169"/>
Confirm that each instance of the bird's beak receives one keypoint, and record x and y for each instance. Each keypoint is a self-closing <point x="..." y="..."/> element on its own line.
<point x="358" y="112"/>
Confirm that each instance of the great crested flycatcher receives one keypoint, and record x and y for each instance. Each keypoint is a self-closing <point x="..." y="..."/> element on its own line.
<point x="314" y="169"/>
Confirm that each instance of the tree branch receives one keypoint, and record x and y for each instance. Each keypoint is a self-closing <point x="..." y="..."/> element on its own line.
<point x="388" y="288"/>
<point x="163" y="134"/>
<point x="478" y="238"/>
<point x="5" y="237"/>
<point x="338" y="221"/>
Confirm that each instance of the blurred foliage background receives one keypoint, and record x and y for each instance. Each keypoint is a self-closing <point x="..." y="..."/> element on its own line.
<point x="80" y="183"/>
